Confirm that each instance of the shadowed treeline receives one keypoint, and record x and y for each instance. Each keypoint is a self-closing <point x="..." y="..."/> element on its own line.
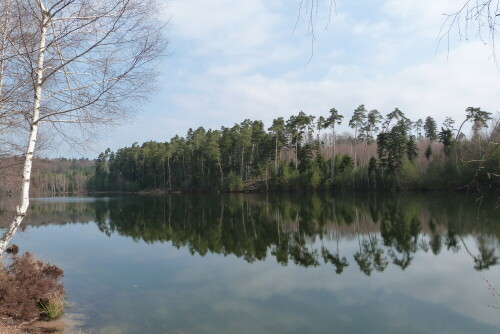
<point x="306" y="230"/>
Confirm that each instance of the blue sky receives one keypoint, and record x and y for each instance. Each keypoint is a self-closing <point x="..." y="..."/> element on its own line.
<point x="231" y="60"/>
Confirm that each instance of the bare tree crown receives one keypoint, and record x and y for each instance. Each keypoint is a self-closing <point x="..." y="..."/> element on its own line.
<point x="98" y="58"/>
<point x="72" y="62"/>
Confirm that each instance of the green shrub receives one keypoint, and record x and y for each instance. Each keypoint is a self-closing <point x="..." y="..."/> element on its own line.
<point x="233" y="182"/>
<point x="408" y="175"/>
<point x="311" y="177"/>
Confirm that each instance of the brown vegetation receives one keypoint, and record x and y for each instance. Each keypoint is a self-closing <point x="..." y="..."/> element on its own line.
<point x="24" y="284"/>
<point x="50" y="176"/>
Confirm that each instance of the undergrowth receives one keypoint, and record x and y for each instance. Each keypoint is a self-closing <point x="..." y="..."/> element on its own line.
<point x="30" y="289"/>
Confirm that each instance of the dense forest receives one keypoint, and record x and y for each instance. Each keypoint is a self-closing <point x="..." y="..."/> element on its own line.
<point x="305" y="152"/>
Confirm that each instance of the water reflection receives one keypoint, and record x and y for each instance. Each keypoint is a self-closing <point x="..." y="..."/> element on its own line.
<point x="389" y="230"/>
<point x="272" y="263"/>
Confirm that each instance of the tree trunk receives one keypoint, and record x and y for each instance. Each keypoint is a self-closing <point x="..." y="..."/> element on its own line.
<point x="169" y="175"/>
<point x="184" y="168"/>
<point x="28" y="161"/>
<point x="267" y="184"/>
<point x="221" y="173"/>
<point x="164" y="175"/>
<point x="296" y="151"/>
<point x="242" y="165"/>
<point x="276" y="155"/>
<point x="355" y="148"/>
<point x="333" y="156"/>
<point x="2" y="55"/>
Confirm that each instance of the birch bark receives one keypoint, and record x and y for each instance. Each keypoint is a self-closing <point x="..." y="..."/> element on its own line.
<point x="28" y="162"/>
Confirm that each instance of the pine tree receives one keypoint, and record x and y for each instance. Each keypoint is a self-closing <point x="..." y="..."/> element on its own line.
<point x="411" y="149"/>
<point x="418" y="125"/>
<point x="357" y="122"/>
<point x="278" y="131"/>
<point x="371" y="126"/>
<point x="446" y="137"/>
<point x="430" y="128"/>
<point x="334" y="118"/>
<point x="478" y="116"/>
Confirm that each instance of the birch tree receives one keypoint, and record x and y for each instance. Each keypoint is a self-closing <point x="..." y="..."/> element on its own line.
<point x="87" y="62"/>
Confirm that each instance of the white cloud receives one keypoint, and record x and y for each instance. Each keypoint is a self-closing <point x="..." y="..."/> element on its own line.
<point x="225" y="27"/>
<point x="439" y="88"/>
<point x="373" y="30"/>
<point x="420" y="17"/>
<point x="234" y="60"/>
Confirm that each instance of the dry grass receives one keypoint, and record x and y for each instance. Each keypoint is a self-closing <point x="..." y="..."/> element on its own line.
<point x="53" y="306"/>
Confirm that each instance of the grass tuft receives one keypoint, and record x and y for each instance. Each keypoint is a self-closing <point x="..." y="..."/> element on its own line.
<point x="53" y="306"/>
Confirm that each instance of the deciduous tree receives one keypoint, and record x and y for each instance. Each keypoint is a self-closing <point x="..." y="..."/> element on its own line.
<point x="83" y="63"/>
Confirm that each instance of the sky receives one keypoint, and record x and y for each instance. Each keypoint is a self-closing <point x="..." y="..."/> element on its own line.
<point x="232" y="60"/>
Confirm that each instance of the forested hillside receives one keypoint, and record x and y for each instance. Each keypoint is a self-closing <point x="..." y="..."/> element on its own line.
<point x="305" y="152"/>
<point x="50" y="176"/>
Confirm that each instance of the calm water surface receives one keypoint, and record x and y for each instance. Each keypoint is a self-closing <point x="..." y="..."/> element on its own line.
<point x="273" y="263"/>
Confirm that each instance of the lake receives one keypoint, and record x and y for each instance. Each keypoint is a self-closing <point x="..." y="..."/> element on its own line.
<point x="273" y="263"/>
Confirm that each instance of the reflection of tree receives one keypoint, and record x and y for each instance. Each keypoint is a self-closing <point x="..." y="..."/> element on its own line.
<point x="422" y="244"/>
<point x="339" y="263"/>
<point x="285" y="227"/>
<point x="303" y="256"/>
<point x="336" y="260"/>
<point x="400" y="236"/>
<point x="486" y="257"/>
<point x="379" y="260"/>
<point x="369" y="256"/>
<point x="435" y="242"/>
<point x="451" y="241"/>
<point x="362" y="257"/>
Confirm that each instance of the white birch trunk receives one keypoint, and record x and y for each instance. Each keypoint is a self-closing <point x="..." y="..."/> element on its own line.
<point x="28" y="162"/>
<point x="2" y="55"/>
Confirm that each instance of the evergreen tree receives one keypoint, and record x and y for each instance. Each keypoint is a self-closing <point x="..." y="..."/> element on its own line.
<point x="418" y="125"/>
<point x="334" y="118"/>
<point x="397" y="147"/>
<point x="222" y="159"/>
<point x="396" y="114"/>
<point x="371" y="126"/>
<point x="357" y="122"/>
<point x="446" y="137"/>
<point x="448" y="123"/>
<point x="430" y="128"/>
<point x="278" y="131"/>
<point x="297" y="126"/>
<point x="477" y="116"/>
<point x="382" y="149"/>
<point x="320" y="125"/>
<point x="411" y="149"/>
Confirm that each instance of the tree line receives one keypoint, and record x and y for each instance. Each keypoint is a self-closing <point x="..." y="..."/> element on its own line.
<point x="305" y="152"/>
<point x="50" y="176"/>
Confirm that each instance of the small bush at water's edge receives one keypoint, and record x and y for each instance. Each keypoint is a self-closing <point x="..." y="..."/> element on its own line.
<point x="25" y="284"/>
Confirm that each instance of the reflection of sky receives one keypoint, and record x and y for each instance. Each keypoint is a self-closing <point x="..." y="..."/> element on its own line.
<point x="127" y="287"/>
